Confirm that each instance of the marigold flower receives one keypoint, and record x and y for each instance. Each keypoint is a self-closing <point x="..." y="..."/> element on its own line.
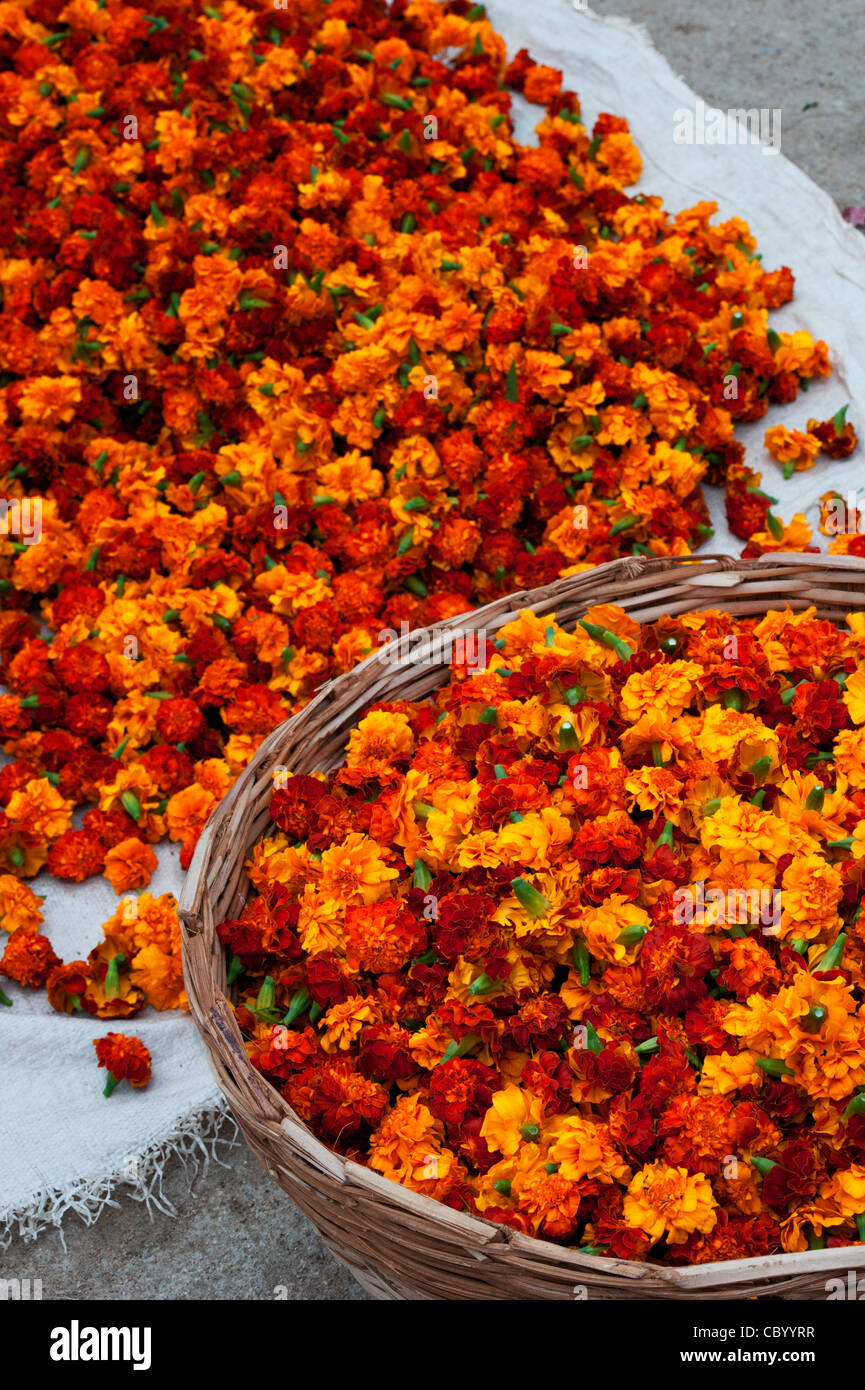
<point x="129" y="864"/>
<point x="28" y="959"/>
<point x="665" y="1200"/>
<point x="125" y="1059"/>
<point x="512" y="1111"/>
<point x="19" y="906"/>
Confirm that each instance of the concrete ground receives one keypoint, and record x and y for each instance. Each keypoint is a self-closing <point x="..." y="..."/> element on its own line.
<point x="235" y="1235"/>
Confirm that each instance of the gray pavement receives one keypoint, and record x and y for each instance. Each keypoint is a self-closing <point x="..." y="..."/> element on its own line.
<point x="235" y="1235"/>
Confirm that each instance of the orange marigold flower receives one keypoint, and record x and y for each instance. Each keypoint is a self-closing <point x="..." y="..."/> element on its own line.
<point x="129" y="864"/>
<point x="19" y="905"/>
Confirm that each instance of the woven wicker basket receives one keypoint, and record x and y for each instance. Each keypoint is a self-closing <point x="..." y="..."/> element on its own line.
<point x="399" y="1244"/>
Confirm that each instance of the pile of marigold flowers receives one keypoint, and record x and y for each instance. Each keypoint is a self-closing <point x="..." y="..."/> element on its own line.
<point x="297" y="344"/>
<point x="138" y="961"/>
<point x="576" y="944"/>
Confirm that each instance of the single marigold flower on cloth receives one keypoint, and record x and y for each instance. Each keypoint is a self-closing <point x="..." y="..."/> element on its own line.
<point x="662" y="1200"/>
<point x="125" y="1058"/>
<point x="19" y="906"/>
<point x="129" y="864"/>
<point x="794" y="450"/>
<point x="76" y="855"/>
<point x="837" y="436"/>
<point x="28" y="959"/>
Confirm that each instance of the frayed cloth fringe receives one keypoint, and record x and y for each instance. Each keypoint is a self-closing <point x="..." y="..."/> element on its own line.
<point x="196" y="1141"/>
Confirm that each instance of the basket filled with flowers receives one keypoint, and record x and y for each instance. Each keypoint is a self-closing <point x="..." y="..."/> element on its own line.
<point x="528" y="954"/>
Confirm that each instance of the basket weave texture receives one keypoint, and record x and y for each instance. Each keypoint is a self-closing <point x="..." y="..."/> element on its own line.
<point x="400" y="1244"/>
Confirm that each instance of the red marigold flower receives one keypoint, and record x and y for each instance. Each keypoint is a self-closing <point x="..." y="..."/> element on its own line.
<point x="28" y="959"/>
<point x="125" y="1058"/>
<point x="110" y="826"/>
<point x="820" y="711"/>
<point x="327" y="979"/>
<point x="384" y="1052"/>
<point x="797" y="1175"/>
<point x="674" y="960"/>
<point x="837" y="443"/>
<point x="76" y="855"/>
<point x="344" y="1100"/>
<point x="179" y="720"/>
<point x="292" y="806"/>
<point x="255" y="709"/>
<point x="66" y="984"/>
<point x="539" y="1023"/>
<point x="169" y="767"/>
<point x="83" y="668"/>
<point x="282" y="1051"/>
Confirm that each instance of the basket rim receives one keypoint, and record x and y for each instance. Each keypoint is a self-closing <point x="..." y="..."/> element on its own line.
<point x="711" y="577"/>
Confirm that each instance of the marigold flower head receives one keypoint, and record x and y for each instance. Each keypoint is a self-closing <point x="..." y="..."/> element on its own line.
<point x="125" y="1058"/>
<point x="665" y="1200"/>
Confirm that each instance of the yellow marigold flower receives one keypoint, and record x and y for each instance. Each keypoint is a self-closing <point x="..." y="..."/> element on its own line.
<point x="722" y="734"/>
<point x="797" y="352"/>
<point x="724" y="1072"/>
<point x="350" y="478"/>
<point x="857" y="849"/>
<point x="50" y="400"/>
<point x="792" y="447"/>
<point x="795" y="535"/>
<point x="344" y="1023"/>
<point x="669" y="1201"/>
<point x="744" y="832"/>
<point x="187" y="811"/>
<point x="288" y="592"/>
<point x="356" y="869"/>
<point x="621" y="157"/>
<point x="549" y="1201"/>
<point x="670" y="408"/>
<point x="850" y="754"/>
<point x="535" y="840"/>
<point x="41" y="808"/>
<point x="792" y="805"/>
<point x="430" y="1043"/>
<point x="512" y="1109"/>
<point x="674" y="738"/>
<point x="129" y="864"/>
<point x="845" y="1190"/>
<point x="815" y="1218"/>
<point x="584" y="1149"/>
<point x="854" y="695"/>
<point x="448" y="828"/>
<point x="321" y="922"/>
<point x="665" y="689"/>
<point x="601" y="927"/>
<point x="656" y="789"/>
<point x="160" y="975"/>
<point x="810" y="892"/>
<point x="176" y="147"/>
